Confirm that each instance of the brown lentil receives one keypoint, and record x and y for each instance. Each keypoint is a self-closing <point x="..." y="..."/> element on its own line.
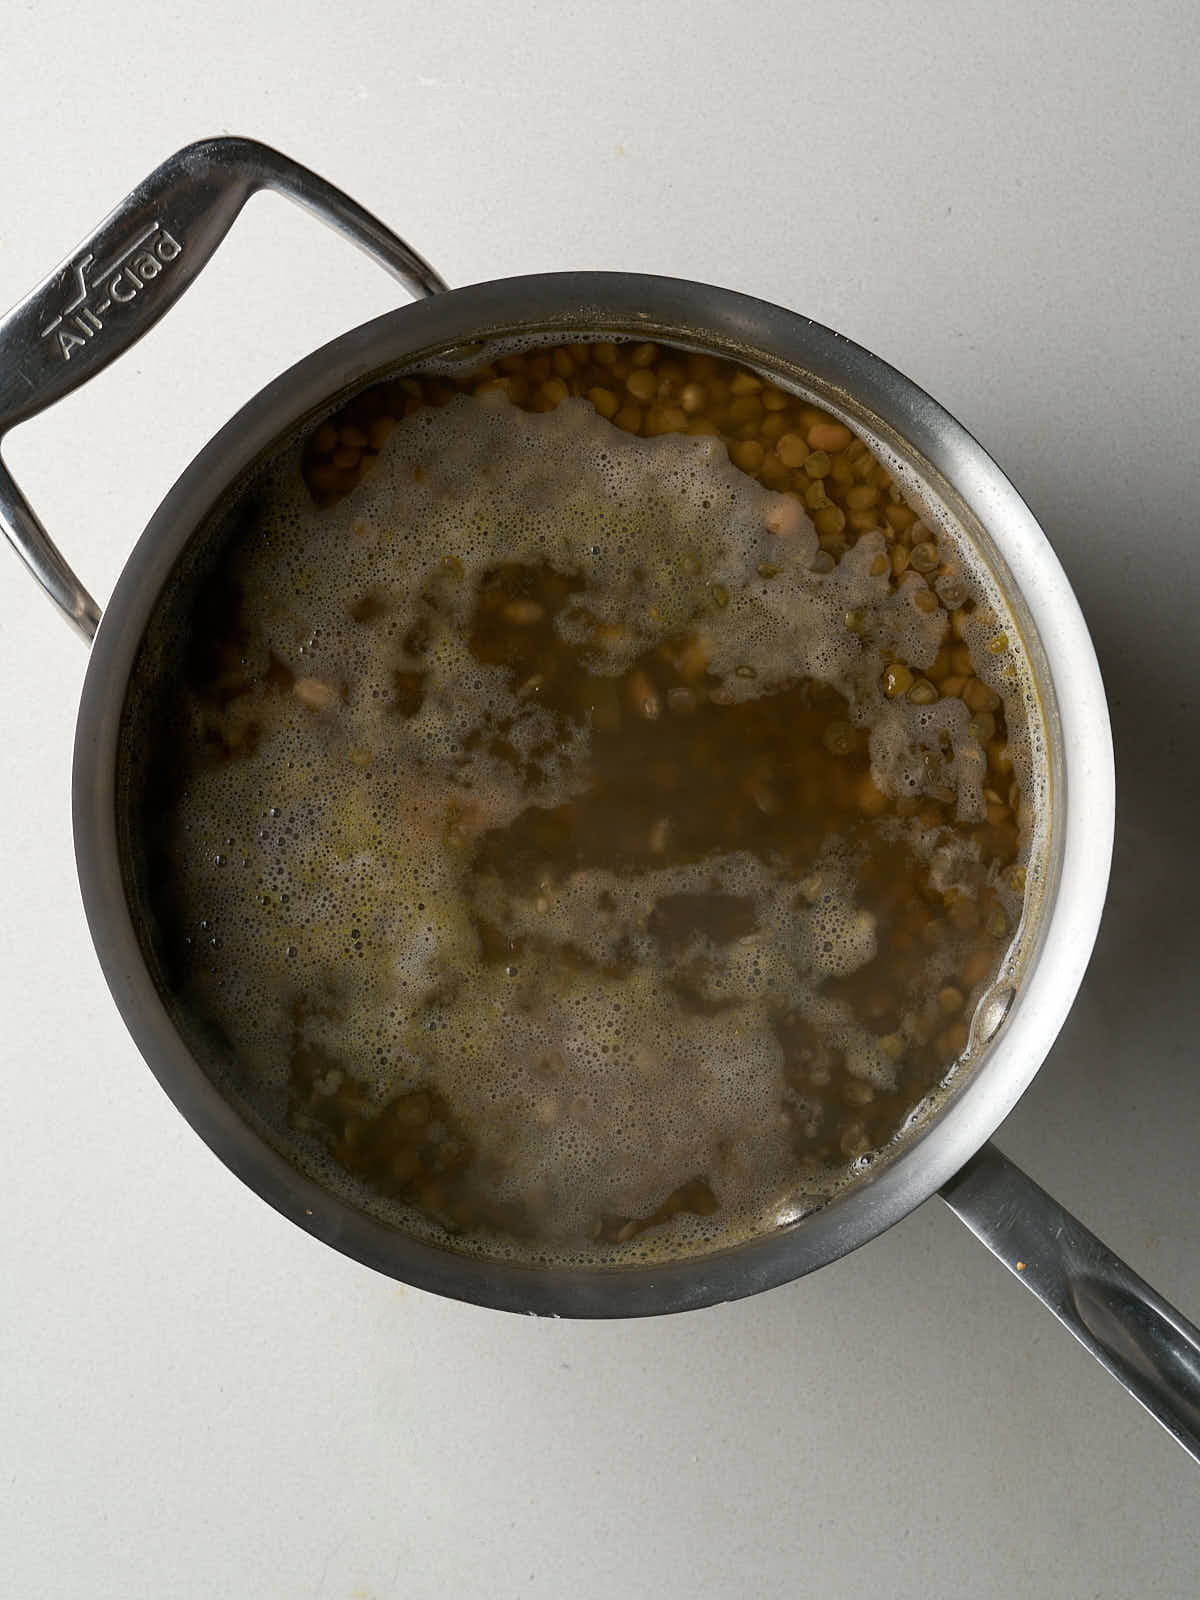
<point x="814" y="460"/>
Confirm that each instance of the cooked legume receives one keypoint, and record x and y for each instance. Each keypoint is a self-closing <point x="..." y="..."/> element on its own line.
<point x="690" y="760"/>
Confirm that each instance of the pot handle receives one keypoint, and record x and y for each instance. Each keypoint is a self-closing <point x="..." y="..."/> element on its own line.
<point x="1146" y="1344"/>
<point x="125" y="276"/>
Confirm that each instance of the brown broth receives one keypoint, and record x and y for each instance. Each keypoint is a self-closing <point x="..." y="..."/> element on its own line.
<point x="749" y="799"/>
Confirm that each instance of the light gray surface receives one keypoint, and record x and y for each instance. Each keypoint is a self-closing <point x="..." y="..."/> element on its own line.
<point x="195" y="1400"/>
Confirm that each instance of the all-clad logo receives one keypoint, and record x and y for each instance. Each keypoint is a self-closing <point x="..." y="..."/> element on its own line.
<point x="102" y="291"/>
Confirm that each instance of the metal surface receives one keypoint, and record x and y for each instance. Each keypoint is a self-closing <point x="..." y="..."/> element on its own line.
<point x="1130" y="1329"/>
<point x="868" y="393"/>
<point x="1147" y="1345"/>
<point x="127" y="274"/>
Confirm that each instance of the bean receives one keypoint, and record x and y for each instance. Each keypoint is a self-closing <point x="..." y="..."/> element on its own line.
<point x="553" y="392"/>
<point x="861" y="496"/>
<point x="980" y="696"/>
<point x="951" y="590"/>
<point x="941" y="665"/>
<point x="641" y="384"/>
<point x="745" y="408"/>
<point x="854" y="1141"/>
<point x="964" y="914"/>
<point x="829" y="519"/>
<point x="863" y="521"/>
<point x="831" y="436"/>
<point x="899" y="517"/>
<point x="314" y="693"/>
<point x="999" y="756"/>
<point x="665" y="419"/>
<point x="976" y="968"/>
<point x="793" y="450"/>
<point x="605" y="402"/>
<point x="925" y="557"/>
<point x="960" y="660"/>
<point x="748" y="455"/>
<point x="897" y="680"/>
<point x="643" y="695"/>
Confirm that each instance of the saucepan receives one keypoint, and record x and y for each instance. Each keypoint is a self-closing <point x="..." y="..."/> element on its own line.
<point x="118" y="283"/>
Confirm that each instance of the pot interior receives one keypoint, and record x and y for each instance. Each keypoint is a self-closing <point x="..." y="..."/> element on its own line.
<point x="150" y="705"/>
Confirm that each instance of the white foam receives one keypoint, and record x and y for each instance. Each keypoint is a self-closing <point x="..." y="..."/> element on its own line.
<point x="336" y="859"/>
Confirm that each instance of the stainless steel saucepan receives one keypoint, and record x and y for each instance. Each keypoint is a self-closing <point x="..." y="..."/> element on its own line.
<point x="110" y="292"/>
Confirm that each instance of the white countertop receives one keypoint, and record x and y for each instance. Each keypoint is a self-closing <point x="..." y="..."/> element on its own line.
<point x="198" y="1400"/>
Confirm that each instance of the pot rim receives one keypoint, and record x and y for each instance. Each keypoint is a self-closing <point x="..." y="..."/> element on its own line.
<point x="762" y="335"/>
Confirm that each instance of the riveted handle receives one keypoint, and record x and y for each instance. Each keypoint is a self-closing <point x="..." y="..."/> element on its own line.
<point x="125" y="276"/>
<point x="1148" y="1346"/>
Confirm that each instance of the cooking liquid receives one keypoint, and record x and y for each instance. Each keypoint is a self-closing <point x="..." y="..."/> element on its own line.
<point x="539" y="853"/>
